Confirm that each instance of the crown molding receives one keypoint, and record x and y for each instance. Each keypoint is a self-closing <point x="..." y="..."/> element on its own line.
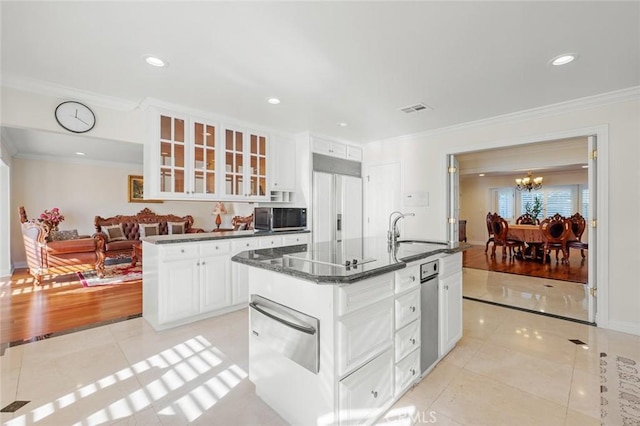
<point x="79" y="161"/>
<point x="46" y="88"/>
<point x="8" y="143"/>
<point x="618" y="96"/>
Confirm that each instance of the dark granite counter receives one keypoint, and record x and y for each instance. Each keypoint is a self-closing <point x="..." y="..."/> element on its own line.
<point x="333" y="262"/>
<point x="214" y="236"/>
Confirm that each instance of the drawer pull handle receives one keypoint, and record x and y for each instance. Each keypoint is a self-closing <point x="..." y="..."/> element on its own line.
<point x="413" y="371"/>
<point x="412" y="308"/>
<point x="197" y="263"/>
<point x="374" y="393"/>
<point x="203" y="263"/>
<point x="181" y="250"/>
<point x="413" y="341"/>
<point x="413" y="278"/>
<point x="247" y="244"/>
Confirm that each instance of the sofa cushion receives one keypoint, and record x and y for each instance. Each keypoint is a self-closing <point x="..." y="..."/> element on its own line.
<point x="114" y="232"/>
<point x="63" y="235"/>
<point x="72" y="246"/>
<point x="175" y="228"/>
<point x="149" y="229"/>
<point x="120" y="245"/>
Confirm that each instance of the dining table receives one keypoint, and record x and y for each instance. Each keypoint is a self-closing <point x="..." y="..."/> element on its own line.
<point x="533" y="240"/>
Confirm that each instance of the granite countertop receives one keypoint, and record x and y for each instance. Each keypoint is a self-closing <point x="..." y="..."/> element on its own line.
<point x="325" y="263"/>
<point x="214" y="236"/>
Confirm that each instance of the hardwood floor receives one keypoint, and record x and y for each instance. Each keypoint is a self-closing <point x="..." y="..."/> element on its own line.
<point x="61" y="304"/>
<point x="576" y="271"/>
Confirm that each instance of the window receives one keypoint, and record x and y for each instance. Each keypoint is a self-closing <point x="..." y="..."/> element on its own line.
<point x="555" y="199"/>
<point x="584" y="202"/>
<point x="503" y="202"/>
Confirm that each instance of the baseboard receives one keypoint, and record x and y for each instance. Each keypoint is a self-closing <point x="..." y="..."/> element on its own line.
<point x="624" y="327"/>
<point x="20" y="265"/>
<point x="6" y="272"/>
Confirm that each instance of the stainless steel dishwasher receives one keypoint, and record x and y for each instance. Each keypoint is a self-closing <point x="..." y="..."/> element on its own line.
<point x="287" y="332"/>
<point x="429" y="327"/>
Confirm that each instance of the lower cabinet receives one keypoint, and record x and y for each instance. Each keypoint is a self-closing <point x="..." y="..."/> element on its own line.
<point x="240" y="272"/>
<point x="407" y="371"/>
<point x="179" y="290"/>
<point x="365" y="392"/>
<point x="450" y="302"/>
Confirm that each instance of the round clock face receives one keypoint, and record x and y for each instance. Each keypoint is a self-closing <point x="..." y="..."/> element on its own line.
<point x="75" y="117"/>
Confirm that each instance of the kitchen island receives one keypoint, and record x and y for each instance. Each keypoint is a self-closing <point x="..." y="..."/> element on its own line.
<point x="335" y="327"/>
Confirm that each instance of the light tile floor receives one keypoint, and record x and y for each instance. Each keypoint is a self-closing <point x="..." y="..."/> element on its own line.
<point x="563" y="298"/>
<point x="510" y="368"/>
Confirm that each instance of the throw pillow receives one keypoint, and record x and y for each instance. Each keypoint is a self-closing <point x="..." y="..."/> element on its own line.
<point x="148" y="229"/>
<point x="175" y="228"/>
<point x="63" y="235"/>
<point x="114" y="232"/>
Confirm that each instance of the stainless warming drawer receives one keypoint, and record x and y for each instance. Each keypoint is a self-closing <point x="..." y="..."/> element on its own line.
<point x="286" y="331"/>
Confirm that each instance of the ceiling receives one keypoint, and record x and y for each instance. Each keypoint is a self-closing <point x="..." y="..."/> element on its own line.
<point x="329" y="62"/>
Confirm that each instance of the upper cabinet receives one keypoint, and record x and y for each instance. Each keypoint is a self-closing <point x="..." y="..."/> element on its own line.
<point x="283" y="164"/>
<point x="196" y="159"/>
<point x="182" y="163"/>
<point x="336" y="149"/>
<point x="245" y="164"/>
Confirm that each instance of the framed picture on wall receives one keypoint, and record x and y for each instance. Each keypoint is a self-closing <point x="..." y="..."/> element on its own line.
<point x="136" y="190"/>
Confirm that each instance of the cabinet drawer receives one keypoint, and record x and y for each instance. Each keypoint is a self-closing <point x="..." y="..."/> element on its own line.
<point x="355" y="296"/>
<point x="292" y="240"/>
<point x="178" y="251"/>
<point x="244" y="244"/>
<point x="407" y="308"/>
<point x="407" y="371"/>
<point x="363" y="333"/>
<point x="407" y="340"/>
<point x="449" y="265"/>
<point x="407" y="278"/>
<point x="267" y="242"/>
<point x="215" y="248"/>
<point x="365" y="392"/>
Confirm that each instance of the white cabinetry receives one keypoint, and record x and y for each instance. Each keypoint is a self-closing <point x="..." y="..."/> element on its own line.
<point x="365" y="393"/>
<point x="245" y="164"/>
<point x="192" y="279"/>
<point x="240" y="272"/>
<point x="450" y="302"/>
<point x="336" y="149"/>
<point x="283" y="165"/>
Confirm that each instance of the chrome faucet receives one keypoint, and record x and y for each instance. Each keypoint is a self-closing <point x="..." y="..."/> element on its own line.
<point x="393" y="233"/>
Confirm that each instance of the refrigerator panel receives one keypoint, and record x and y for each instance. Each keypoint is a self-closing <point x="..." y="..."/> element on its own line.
<point x="351" y="205"/>
<point x="323" y="207"/>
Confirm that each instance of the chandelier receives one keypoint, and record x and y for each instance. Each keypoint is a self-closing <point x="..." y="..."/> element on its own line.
<point x="528" y="183"/>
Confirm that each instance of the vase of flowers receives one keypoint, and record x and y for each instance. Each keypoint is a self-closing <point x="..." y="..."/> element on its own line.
<point x="52" y="218"/>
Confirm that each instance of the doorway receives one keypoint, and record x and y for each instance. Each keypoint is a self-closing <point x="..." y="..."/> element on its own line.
<point x="504" y="154"/>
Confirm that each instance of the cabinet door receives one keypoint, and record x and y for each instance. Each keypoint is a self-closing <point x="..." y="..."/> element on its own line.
<point x="321" y="146"/>
<point x="172" y="159"/>
<point x="256" y="166"/>
<point x="233" y="162"/>
<point x="450" y="312"/>
<point x="354" y="153"/>
<point x="364" y="393"/>
<point x="203" y="159"/>
<point x="240" y="272"/>
<point x="407" y="308"/>
<point x="283" y="165"/>
<point x="179" y="290"/>
<point x="214" y="283"/>
<point x="363" y="333"/>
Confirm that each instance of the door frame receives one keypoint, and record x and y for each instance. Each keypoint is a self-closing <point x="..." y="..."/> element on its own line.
<point x="598" y="258"/>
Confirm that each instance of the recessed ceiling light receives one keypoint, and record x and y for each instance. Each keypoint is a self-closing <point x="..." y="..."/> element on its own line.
<point x="564" y="59"/>
<point x="273" y="101"/>
<point x="342" y="124"/>
<point x="80" y="153"/>
<point x="481" y="174"/>
<point x="155" y="61"/>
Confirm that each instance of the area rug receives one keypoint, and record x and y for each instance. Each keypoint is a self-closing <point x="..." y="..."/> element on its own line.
<point x="619" y="391"/>
<point x="113" y="275"/>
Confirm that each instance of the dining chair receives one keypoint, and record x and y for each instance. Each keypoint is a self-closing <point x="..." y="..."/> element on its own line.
<point x="555" y="231"/>
<point x="500" y="229"/>
<point x="489" y="230"/>
<point x="578" y="225"/>
<point x="527" y="219"/>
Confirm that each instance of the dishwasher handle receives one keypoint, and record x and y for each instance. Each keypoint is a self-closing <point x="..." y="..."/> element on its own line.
<point x="299" y="327"/>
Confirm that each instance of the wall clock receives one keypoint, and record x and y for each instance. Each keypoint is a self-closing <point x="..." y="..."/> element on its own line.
<point x="75" y="117"/>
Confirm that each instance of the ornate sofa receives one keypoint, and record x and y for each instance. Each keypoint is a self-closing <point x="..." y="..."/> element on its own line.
<point x="120" y="233"/>
<point x="57" y="257"/>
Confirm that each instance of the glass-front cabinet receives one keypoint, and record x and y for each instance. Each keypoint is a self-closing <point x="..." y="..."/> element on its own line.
<point x="245" y="162"/>
<point x="192" y="158"/>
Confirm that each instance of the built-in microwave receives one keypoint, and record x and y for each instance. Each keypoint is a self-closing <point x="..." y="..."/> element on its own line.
<point x="279" y="218"/>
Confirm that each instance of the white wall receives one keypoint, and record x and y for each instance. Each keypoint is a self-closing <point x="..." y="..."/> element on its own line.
<point x="476" y="201"/>
<point x="424" y="159"/>
<point x="84" y="190"/>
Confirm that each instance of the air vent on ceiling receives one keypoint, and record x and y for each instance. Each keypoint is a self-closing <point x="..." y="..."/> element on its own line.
<point x="416" y="108"/>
